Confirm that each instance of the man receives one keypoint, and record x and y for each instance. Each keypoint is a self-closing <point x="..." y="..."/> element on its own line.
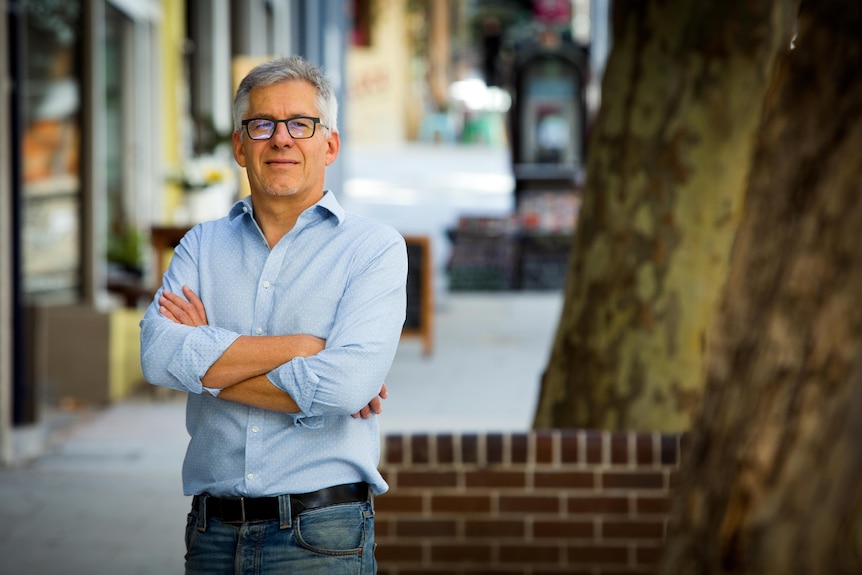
<point x="281" y="320"/>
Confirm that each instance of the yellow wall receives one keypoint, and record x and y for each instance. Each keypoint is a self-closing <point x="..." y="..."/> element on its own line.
<point x="124" y="360"/>
<point x="174" y="97"/>
<point x="378" y="79"/>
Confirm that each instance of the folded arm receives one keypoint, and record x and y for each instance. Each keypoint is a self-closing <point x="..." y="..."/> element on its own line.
<point x="239" y="372"/>
<point x="364" y="334"/>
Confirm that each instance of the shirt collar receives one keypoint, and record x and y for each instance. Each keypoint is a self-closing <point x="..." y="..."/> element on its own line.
<point x="328" y="203"/>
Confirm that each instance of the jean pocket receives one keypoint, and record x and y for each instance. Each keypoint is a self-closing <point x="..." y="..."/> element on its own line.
<point x="335" y="530"/>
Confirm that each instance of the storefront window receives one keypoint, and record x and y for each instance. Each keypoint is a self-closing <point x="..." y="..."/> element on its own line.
<point x="50" y="149"/>
<point x="122" y="241"/>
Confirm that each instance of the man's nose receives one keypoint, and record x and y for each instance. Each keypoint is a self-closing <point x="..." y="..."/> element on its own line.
<point x="281" y="135"/>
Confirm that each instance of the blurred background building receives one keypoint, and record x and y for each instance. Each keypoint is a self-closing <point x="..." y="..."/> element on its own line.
<point x="116" y="124"/>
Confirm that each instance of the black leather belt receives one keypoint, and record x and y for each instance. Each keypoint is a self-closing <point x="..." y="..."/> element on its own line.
<point x="250" y="509"/>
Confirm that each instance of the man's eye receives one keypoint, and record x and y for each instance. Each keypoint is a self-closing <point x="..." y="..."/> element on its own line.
<point x="300" y="124"/>
<point x="260" y="124"/>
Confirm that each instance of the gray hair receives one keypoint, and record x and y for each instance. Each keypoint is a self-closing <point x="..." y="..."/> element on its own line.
<point x="290" y="69"/>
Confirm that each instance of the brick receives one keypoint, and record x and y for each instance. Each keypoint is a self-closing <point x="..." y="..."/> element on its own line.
<point x="669" y="449"/>
<point x="644" y="449"/>
<point x="632" y="480"/>
<point x="646" y="505"/>
<point x="619" y="448"/>
<point x="594" y="447"/>
<point x="570" y="448"/>
<point x="495" y="479"/>
<point x="426" y="528"/>
<point x="564" y="479"/>
<point x="420" y="449"/>
<point x="494" y="448"/>
<point x="598" y="505"/>
<point x="519" y="449"/>
<point x="563" y="529"/>
<point x="567" y="570"/>
<point x="530" y="554"/>
<point x="445" y="448"/>
<point x="392" y="552"/>
<point x="392" y="503"/>
<point x="461" y="504"/>
<point x="394" y="449"/>
<point x="469" y="448"/>
<point x="633" y="530"/>
<point x="408" y="479"/>
<point x="494" y="529"/>
<point x="460" y="553"/>
<point x="598" y="554"/>
<point x="544" y="441"/>
<point x="382" y="527"/>
<point x="530" y="504"/>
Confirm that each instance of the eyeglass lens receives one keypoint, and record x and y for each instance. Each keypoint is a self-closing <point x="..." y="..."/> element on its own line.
<point x="263" y="129"/>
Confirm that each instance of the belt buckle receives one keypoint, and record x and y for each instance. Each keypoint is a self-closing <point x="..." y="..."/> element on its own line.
<point x="233" y="521"/>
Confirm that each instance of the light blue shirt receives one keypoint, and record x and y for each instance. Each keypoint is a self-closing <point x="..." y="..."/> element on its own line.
<point x="337" y="276"/>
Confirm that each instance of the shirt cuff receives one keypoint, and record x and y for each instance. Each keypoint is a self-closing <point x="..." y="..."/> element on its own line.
<point x="200" y="349"/>
<point x="298" y="381"/>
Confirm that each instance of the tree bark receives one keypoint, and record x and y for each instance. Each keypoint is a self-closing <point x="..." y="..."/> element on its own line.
<point x="669" y="157"/>
<point x="771" y="476"/>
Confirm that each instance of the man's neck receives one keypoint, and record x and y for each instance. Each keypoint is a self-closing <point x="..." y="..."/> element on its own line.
<point x="277" y="216"/>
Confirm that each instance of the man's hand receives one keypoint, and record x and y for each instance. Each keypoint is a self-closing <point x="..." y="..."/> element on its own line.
<point x="375" y="406"/>
<point x="189" y="311"/>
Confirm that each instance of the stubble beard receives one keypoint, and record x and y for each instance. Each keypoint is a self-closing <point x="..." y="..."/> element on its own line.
<point x="280" y="191"/>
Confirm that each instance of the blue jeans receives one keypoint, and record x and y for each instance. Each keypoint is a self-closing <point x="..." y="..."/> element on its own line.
<point x="335" y="540"/>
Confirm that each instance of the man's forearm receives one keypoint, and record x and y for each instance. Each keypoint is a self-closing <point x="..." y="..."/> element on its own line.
<point x="252" y="356"/>
<point x="260" y="392"/>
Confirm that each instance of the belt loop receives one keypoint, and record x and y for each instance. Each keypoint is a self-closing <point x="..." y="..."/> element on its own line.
<point x="202" y="512"/>
<point x="284" y="513"/>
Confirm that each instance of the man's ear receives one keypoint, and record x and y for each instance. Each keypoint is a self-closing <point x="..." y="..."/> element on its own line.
<point x="238" y="152"/>
<point x="333" y="145"/>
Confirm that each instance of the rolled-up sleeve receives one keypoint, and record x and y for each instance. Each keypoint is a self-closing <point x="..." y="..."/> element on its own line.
<point x="178" y="356"/>
<point x="360" y="349"/>
<point x="174" y="355"/>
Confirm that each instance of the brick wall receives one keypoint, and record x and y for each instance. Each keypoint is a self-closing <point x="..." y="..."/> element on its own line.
<point x="560" y="501"/>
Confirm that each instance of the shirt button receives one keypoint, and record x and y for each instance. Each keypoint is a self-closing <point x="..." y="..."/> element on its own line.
<point x="250" y="476"/>
<point x="255" y="429"/>
<point x="258" y="331"/>
<point x="265" y="285"/>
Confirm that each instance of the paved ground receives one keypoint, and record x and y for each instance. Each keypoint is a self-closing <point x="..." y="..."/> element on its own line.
<point x="106" y="498"/>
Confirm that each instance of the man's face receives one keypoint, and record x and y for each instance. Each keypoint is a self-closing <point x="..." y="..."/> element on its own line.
<point x="282" y="166"/>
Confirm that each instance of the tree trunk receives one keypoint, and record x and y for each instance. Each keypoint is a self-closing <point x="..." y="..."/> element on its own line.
<point x="669" y="158"/>
<point x="771" y="479"/>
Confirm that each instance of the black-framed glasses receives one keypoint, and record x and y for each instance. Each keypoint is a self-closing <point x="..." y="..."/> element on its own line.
<point x="299" y="128"/>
